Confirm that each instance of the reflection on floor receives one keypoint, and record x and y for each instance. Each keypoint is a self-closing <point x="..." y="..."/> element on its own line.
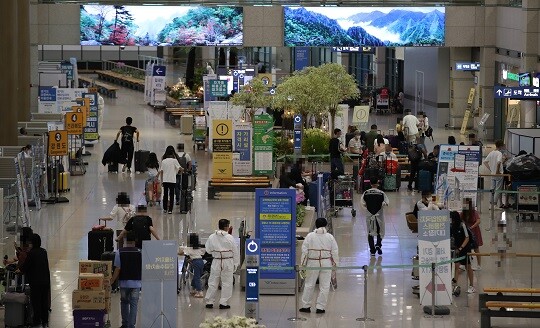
<point x="64" y="228"/>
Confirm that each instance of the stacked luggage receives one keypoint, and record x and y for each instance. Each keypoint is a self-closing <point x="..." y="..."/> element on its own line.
<point x="92" y="299"/>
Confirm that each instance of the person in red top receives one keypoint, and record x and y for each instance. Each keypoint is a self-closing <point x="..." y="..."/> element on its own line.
<point x="472" y="219"/>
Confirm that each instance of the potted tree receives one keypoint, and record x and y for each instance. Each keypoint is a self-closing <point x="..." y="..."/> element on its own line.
<point x="252" y="96"/>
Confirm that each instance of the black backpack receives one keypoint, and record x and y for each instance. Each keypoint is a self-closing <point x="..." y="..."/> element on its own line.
<point x="415" y="154"/>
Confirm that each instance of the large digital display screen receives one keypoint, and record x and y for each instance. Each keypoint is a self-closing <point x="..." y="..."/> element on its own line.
<point x="369" y="26"/>
<point x="161" y="25"/>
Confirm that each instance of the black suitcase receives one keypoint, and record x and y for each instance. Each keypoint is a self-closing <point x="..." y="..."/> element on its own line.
<point x="112" y="167"/>
<point x="141" y="156"/>
<point x="109" y="256"/>
<point x="186" y="198"/>
<point x="99" y="242"/>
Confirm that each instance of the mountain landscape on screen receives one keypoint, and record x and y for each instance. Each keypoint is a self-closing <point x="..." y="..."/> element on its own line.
<point x="340" y="26"/>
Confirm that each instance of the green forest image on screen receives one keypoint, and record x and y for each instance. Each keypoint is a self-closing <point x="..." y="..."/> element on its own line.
<point x="161" y="25"/>
<point x="369" y="26"/>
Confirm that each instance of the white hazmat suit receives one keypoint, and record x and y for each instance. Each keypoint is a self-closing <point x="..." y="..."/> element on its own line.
<point x="318" y="250"/>
<point x="226" y="255"/>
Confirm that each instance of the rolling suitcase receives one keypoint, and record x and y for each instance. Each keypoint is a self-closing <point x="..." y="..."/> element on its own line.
<point x="109" y="256"/>
<point x="186" y="199"/>
<point x="425" y="182"/>
<point x="390" y="182"/>
<point x="152" y="191"/>
<point x="17" y="309"/>
<point x="112" y="167"/>
<point x="63" y="181"/>
<point x="141" y="156"/>
<point x="99" y="242"/>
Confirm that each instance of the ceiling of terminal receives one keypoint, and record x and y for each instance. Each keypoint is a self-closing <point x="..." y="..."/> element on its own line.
<point x="344" y="3"/>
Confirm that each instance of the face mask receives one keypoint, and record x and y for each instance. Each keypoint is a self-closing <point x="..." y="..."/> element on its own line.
<point x="387" y="153"/>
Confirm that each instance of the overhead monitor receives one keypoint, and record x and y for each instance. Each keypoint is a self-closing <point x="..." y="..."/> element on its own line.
<point x="467" y="66"/>
<point x="524" y="79"/>
<point x="364" y="26"/>
<point x="161" y="25"/>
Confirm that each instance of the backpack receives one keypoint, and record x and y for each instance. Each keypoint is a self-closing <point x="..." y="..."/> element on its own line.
<point x="183" y="161"/>
<point x="415" y="154"/>
<point x="429" y="132"/>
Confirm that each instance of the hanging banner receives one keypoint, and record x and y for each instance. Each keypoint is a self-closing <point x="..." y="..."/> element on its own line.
<point x="457" y="175"/>
<point x="434" y="247"/>
<point x="222" y="149"/>
<point x="47" y="100"/>
<point x="218" y="88"/>
<point x="301" y="58"/>
<point x="242" y="164"/>
<point x="159" y="275"/>
<point x="91" y="131"/>
<point x="263" y="145"/>
<point x="275" y="226"/>
<point x="206" y="87"/>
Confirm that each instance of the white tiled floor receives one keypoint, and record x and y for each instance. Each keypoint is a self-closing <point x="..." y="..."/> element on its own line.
<point x="64" y="229"/>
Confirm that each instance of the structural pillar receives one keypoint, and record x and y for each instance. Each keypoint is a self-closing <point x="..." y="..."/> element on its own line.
<point x="8" y="73"/>
<point x="23" y="54"/>
<point x="529" y="57"/>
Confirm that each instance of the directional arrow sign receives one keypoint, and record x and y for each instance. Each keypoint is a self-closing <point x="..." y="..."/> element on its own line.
<point x="159" y="70"/>
<point x="440" y="287"/>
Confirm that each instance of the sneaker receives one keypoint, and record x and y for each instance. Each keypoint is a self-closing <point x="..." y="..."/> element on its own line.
<point x="409" y="188"/>
<point x="164" y="211"/>
<point x="209" y="306"/>
<point x="471" y="290"/>
<point x="305" y="310"/>
<point x="124" y="168"/>
<point x="129" y="170"/>
<point x="320" y="311"/>
<point x="372" y="254"/>
<point x="170" y="212"/>
<point x="198" y="295"/>
<point x="462" y="268"/>
<point x="379" y="250"/>
<point x="224" y="307"/>
<point x="477" y="268"/>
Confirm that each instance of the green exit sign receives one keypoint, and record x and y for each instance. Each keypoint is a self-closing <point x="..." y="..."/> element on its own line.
<point x="510" y="76"/>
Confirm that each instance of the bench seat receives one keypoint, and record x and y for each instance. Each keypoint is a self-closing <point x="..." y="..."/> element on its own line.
<point x="240" y="184"/>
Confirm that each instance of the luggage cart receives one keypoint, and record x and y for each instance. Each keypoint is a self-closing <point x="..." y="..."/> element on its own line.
<point x="199" y="132"/>
<point x="343" y="189"/>
<point x="528" y="203"/>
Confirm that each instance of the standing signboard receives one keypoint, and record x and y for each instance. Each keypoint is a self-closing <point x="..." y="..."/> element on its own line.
<point x="74" y="123"/>
<point x="159" y="277"/>
<point x="21" y="174"/>
<point x="222" y="149"/>
<point x="47" y="100"/>
<point x="275" y="226"/>
<point x="457" y="175"/>
<point x="148" y="82"/>
<point x="66" y="97"/>
<point x="298" y="125"/>
<point x="253" y="255"/>
<point x="242" y="164"/>
<point x="434" y="247"/>
<point x="58" y="143"/>
<point x="263" y="145"/>
<point x="206" y="87"/>
<point x="158" y="85"/>
<point x="91" y="131"/>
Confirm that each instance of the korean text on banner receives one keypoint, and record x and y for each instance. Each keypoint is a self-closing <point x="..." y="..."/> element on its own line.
<point x="74" y="123"/>
<point x="263" y="145"/>
<point x="58" y="143"/>
<point x="242" y="164"/>
<point x="222" y="148"/>
<point x="91" y="129"/>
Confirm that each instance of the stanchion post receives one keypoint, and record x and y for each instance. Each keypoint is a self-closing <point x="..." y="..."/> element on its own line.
<point x="434" y="289"/>
<point x="296" y="309"/>
<point x="365" y="318"/>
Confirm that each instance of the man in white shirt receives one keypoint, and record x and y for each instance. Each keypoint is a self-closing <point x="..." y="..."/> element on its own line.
<point x="494" y="163"/>
<point x="411" y="123"/>
<point x="319" y="249"/>
<point x="355" y="144"/>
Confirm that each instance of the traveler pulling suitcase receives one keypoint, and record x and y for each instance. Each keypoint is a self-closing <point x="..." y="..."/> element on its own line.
<point x="152" y="191"/>
<point x="109" y="256"/>
<point x="141" y="156"/>
<point x="63" y="182"/>
<point x="100" y="240"/>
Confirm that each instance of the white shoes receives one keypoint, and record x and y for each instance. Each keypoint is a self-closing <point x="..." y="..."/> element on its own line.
<point x="471" y="290"/>
<point x="477" y="268"/>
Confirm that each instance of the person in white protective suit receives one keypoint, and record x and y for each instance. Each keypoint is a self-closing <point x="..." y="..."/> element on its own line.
<point x="226" y="256"/>
<point x="318" y="250"/>
<point x="101" y="111"/>
<point x="373" y="200"/>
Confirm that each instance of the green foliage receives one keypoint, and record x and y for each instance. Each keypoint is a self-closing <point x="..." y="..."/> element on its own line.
<point x="252" y="96"/>
<point x="300" y="214"/>
<point x="282" y="145"/>
<point x="315" y="142"/>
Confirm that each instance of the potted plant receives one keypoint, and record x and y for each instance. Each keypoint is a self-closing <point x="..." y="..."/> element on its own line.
<point x="252" y="96"/>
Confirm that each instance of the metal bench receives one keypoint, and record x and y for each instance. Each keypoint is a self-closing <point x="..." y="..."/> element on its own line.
<point x="495" y="302"/>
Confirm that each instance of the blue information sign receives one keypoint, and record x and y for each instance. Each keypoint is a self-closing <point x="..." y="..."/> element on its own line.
<point x="242" y="141"/>
<point x="467" y="66"/>
<point x="47" y="93"/>
<point x="301" y="58"/>
<point x="253" y="251"/>
<point x="297" y="132"/>
<point x="275" y="222"/>
<point x="532" y="93"/>
<point x="159" y="70"/>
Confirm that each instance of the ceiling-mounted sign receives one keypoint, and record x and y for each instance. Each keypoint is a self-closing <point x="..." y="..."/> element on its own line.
<point x="467" y="66"/>
<point x="531" y="93"/>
